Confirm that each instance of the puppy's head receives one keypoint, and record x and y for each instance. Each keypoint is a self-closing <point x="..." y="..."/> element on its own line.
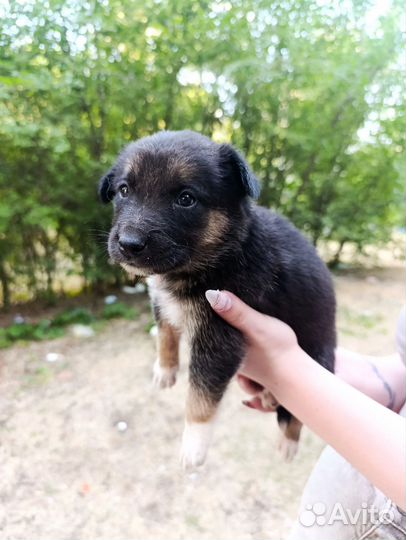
<point x="180" y="200"/>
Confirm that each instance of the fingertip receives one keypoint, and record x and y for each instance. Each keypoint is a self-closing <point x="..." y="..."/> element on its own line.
<point x="218" y="300"/>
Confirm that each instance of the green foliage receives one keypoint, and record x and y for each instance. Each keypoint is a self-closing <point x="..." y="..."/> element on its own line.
<point x="119" y="309"/>
<point x="29" y="332"/>
<point x="310" y="91"/>
<point x="51" y="329"/>
<point x="74" y="316"/>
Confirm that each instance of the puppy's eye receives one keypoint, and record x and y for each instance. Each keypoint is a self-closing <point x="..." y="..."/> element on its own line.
<point x="185" y="199"/>
<point x="123" y="190"/>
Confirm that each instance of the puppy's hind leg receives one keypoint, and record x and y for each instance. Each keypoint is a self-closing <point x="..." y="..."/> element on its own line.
<point x="290" y="433"/>
<point x="268" y="401"/>
<point x="167" y="364"/>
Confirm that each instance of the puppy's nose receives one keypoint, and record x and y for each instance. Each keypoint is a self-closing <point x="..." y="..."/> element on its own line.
<point x="131" y="244"/>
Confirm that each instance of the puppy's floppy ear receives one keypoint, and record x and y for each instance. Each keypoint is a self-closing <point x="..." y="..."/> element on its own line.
<point x="233" y="164"/>
<point x="106" y="192"/>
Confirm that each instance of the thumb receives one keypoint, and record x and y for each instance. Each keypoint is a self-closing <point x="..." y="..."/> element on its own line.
<point x="235" y="311"/>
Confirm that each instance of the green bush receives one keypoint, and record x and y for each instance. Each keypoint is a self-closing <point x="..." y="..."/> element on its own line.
<point x="73" y="316"/>
<point x="25" y="332"/>
<point x="5" y="340"/>
<point x="51" y="329"/>
<point x="119" y="309"/>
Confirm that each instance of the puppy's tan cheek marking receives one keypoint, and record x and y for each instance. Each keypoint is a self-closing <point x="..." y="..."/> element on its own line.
<point x="168" y="345"/>
<point x="199" y="409"/>
<point x="217" y="225"/>
<point x="292" y="430"/>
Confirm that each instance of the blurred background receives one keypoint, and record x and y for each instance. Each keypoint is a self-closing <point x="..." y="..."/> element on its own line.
<point x="311" y="91"/>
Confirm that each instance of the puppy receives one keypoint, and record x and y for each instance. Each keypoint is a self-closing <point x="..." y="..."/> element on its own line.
<point x="184" y="216"/>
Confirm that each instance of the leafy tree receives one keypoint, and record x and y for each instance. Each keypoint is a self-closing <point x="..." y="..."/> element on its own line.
<point x="310" y="92"/>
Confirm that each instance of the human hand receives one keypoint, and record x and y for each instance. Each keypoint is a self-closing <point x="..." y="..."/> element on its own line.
<point x="270" y="343"/>
<point x="352" y="423"/>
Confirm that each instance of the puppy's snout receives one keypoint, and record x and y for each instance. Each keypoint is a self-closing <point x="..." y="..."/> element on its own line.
<point x="131" y="244"/>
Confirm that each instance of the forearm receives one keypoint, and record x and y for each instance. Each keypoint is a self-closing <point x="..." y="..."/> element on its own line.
<point x="379" y="377"/>
<point x="341" y="415"/>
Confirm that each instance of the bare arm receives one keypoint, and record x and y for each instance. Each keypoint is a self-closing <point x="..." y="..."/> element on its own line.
<point x="380" y="377"/>
<point x="370" y="436"/>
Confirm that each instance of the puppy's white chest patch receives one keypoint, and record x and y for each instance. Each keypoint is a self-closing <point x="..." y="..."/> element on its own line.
<point x="172" y="310"/>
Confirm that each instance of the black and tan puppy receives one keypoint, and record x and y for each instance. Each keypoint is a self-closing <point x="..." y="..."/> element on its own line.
<point x="184" y="216"/>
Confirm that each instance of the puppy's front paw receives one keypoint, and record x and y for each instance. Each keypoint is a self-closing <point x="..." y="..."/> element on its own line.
<point x="287" y="448"/>
<point x="195" y="444"/>
<point x="163" y="377"/>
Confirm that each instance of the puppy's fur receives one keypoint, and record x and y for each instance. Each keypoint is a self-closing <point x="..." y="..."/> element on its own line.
<point x="184" y="216"/>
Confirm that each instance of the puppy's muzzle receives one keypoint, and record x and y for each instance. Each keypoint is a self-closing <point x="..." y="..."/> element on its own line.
<point x="132" y="244"/>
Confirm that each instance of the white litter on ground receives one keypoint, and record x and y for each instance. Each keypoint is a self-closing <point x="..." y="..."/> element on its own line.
<point x="53" y="357"/>
<point x="153" y="330"/>
<point x="122" y="426"/>
<point x="140" y="288"/>
<point x="82" y="331"/>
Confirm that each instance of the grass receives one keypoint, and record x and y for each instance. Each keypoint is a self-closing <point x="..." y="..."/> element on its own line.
<point x="40" y="377"/>
<point x="56" y="327"/>
<point x="120" y="310"/>
<point x="355" y="323"/>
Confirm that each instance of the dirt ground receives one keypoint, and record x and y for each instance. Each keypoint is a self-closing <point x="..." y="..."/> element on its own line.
<point x="68" y="472"/>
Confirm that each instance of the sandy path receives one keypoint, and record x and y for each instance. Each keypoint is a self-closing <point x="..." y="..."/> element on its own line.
<point x="67" y="472"/>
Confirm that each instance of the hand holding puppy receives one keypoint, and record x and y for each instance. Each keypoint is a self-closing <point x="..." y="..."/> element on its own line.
<point x="275" y="361"/>
<point x="270" y="341"/>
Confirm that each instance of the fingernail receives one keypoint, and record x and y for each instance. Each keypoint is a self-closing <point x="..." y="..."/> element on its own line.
<point x="218" y="300"/>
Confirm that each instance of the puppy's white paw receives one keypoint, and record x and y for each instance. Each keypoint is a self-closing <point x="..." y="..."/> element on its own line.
<point x="163" y="377"/>
<point x="268" y="401"/>
<point x="195" y="444"/>
<point x="287" y="448"/>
